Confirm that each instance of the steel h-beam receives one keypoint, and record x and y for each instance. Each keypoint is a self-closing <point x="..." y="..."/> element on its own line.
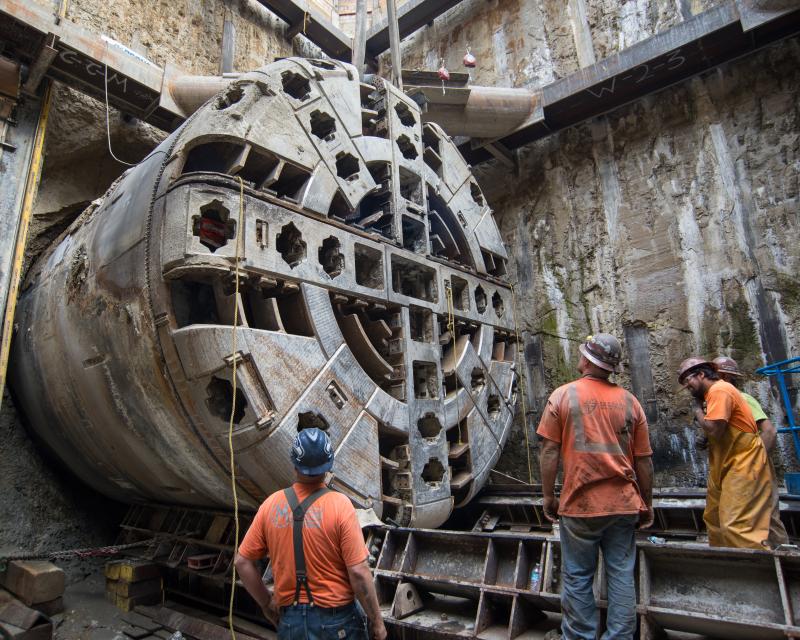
<point x="22" y="127"/>
<point x="302" y="17"/>
<point x="724" y="33"/>
<point x="411" y="16"/>
<point x="82" y="59"/>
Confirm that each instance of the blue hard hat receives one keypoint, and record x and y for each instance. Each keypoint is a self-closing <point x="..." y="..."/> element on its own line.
<point x="312" y="453"/>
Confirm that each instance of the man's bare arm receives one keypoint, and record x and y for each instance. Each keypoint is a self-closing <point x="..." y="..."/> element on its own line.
<point x="251" y="579"/>
<point x="769" y="434"/>
<point x="713" y="428"/>
<point x="644" y="478"/>
<point x="549" y="456"/>
<point x="361" y="582"/>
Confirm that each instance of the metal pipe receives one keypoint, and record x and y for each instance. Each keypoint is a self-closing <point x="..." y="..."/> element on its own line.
<point x="192" y="92"/>
<point x="489" y="112"/>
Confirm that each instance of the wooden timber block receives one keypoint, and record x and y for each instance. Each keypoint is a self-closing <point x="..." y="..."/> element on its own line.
<point x="34" y="581"/>
<point x="111" y="570"/>
<point x="20" y="622"/>
<point x="132" y="570"/>
<point x="128" y="603"/>
<point x="133" y="589"/>
<point x="51" y="607"/>
<point x="39" y="632"/>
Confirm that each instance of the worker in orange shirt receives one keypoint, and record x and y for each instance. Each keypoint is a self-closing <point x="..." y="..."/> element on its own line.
<point x="600" y="431"/>
<point x="728" y="370"/>
<point x="739" y="496"/>
<point x="319" y="558"/>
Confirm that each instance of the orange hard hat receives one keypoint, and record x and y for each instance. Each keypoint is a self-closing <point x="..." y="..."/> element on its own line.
<point x="727" y="365"/>
<point x="692" y="363"/>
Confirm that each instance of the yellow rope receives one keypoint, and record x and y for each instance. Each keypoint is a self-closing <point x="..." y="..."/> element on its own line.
<point x="239" y="236"/>
<point x="518" y="361"/>
<point x="451" y="327"/>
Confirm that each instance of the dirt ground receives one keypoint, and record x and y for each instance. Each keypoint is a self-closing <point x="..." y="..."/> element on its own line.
<point x="87" y="614"/>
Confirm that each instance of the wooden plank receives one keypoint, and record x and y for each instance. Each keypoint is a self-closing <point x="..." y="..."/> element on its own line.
<point x="127" y="604"/>
<point x="137" y="619"/>
<point x="245" y="626"/>
<point x="192" y="626"/>
<point x="133" y="589"/>
<point x="228" y="46"/>
<point x="134" y="632"/>
<point x="137" y="570"/>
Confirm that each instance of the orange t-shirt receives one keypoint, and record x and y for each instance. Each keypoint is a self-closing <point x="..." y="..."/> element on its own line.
<point x="332" y="541"/>
<point x="724" y="402"/>
<point x="601" y="428"/>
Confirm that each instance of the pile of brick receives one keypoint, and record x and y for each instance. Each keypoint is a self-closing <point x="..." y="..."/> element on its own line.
<point x="133" y="582"/>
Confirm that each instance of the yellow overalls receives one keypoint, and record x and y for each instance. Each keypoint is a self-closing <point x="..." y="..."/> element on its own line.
<point x="738" y="502"/>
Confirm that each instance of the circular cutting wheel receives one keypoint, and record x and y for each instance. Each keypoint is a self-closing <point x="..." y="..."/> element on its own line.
<point x="371" y="303"/>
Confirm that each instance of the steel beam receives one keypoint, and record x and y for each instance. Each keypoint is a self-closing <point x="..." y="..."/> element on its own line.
<point x="303" y="17"/>
<point x="22" y="138"/>
<point x="81" y="59"/>
<point x="677" y="513"/>
<point x="411" y="16"/>
<point x="703" y="42"/>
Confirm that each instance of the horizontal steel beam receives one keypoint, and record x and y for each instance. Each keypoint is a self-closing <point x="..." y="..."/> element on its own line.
<point x="304" y="18"/>
<point x="411" y="15"/>
<point x="703" y="42"/>
<point x="85" y="61"/>
<point x="100" y="66"/>
<point x="677" y="513"/>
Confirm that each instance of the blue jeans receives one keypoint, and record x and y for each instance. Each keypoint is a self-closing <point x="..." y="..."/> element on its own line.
<point x="303" y="622"/>
<point x="580" y="540"/>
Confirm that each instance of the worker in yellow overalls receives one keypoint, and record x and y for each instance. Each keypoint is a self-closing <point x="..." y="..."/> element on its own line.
<point x="738" y="501"/>
<point x="728" y="370"/>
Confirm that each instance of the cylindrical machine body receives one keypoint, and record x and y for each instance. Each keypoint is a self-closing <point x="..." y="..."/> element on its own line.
<point x="370" y="303"/>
